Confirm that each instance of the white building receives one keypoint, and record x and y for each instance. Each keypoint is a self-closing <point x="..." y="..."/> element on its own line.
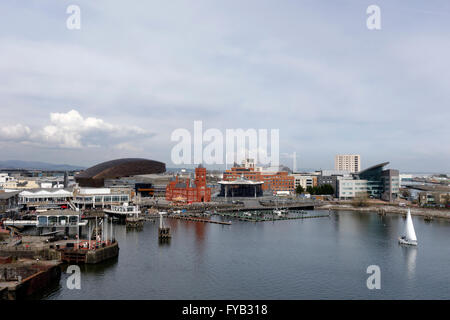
<point x="347" y="162"/>
<point x="101" y="197"/>
<point x="250" y="164"/>
<point x="334" y="173"/>
<point x="304" y="180"/>
<point x="6" y="181"/>
<point x="348" y="188"/>
<point x="45" y="197"/>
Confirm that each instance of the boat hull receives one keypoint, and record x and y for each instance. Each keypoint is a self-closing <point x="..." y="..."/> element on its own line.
<point x="407" y="242"/>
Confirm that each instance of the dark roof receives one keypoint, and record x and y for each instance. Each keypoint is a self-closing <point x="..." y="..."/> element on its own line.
<point x="374" y="167"/>
<point x="59" y="213"/>
<point x="94" y="176"/>
<point x="7" y="195"/>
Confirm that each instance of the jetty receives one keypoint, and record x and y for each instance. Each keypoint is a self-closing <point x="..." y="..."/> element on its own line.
<point x="195" y="219"/>
<point x="164" y="234"/>
<point x="89" y="251"/>
<point x="268" y="217"/>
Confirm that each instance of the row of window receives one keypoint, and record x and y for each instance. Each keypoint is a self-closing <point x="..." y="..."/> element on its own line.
<point x="103" y="198"/>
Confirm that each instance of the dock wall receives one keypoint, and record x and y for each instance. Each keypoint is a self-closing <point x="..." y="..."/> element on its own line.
<point x="101" y="254"/>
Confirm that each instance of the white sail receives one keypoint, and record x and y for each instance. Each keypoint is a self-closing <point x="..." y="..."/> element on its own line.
<point x="410" y="233"/>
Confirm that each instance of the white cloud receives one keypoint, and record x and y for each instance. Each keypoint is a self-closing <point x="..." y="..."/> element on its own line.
<point x="72" y="130"/>
<point x="15" y="132"/>
<point x="126" y="146"/>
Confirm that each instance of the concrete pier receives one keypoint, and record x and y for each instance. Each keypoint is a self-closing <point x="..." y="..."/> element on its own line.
<point x="22" y="278"/>
<point x="90" y="256"/>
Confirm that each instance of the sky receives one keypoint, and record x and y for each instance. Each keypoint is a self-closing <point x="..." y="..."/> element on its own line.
<point x="119" y="86"/>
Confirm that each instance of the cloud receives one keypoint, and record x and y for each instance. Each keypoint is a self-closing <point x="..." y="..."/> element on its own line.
<point x="308" y="68"/>
<point x="72" y="130"/>
<point x="126" y="146"/>
<point x="15" y="132"/>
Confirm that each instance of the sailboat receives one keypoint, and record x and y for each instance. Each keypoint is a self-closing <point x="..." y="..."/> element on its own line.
<point x="410" y="235"/>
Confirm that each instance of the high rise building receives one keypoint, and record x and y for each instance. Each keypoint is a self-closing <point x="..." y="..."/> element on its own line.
<point x="347" y="162"/>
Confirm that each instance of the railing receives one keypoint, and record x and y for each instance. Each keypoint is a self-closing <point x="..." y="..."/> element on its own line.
<point x="57" y="224"/>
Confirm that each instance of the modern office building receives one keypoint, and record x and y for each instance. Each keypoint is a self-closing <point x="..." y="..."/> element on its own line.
<point x="374" y="182"/>
<point x="347" y="162"/>
<point x="391" y="184"/>
<point x="348" y="187"/>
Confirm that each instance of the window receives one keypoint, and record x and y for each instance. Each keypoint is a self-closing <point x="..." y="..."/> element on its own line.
<point x="52" y="220"/>
<point x="42" y="221"/>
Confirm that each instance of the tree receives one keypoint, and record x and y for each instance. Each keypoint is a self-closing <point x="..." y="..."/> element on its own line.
<point x="299" y="189"/>
<point x="406" y="194"/>
<point x="325" y="189"/>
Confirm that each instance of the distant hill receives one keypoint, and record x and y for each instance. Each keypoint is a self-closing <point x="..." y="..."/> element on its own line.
<point x="36" y="165"/>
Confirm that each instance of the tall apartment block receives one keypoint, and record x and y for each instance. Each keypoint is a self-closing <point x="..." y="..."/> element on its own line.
<point x="347" y="162"/>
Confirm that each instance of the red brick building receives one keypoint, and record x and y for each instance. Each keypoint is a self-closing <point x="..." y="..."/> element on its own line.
<point x="273" y="181"/>
<point x="189" y="191"/>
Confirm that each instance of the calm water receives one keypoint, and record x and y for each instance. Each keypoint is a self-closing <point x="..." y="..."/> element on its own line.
<point x="323" y="258"/>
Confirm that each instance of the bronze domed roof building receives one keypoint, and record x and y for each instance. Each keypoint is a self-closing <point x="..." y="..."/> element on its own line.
<point x="95" y="176"/>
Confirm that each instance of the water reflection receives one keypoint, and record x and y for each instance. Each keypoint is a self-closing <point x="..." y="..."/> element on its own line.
<point x="296" y="259"/>
<point x="410" y="255"/>
<point x="94" y="268"/>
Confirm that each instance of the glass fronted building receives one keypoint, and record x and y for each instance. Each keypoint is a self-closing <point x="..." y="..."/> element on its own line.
<point x="101" y="197"/>
<point x="374" y="181"/>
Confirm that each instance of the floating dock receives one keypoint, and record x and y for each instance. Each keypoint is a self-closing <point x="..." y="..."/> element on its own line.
<point x="188" y="218"/>
<point x="134" y="223"/>
<point x="265" y="218"/>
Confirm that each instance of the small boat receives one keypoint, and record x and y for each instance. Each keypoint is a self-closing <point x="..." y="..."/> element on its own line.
<point x="410" y="235"/>
<point x="207" y="213"/>
<point x="123" y="210"/>
<point x="280" y="212"/>
<point x="428" y="218"/>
